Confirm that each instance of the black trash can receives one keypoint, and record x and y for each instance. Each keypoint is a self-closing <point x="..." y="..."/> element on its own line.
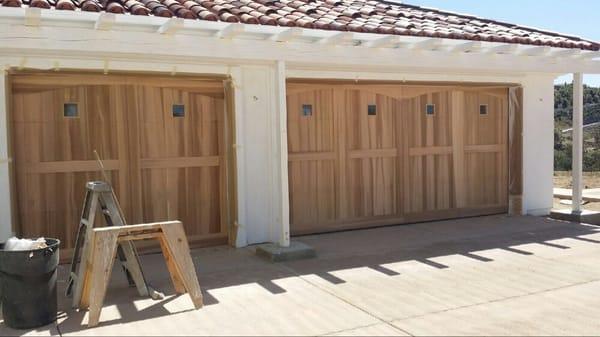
<point x="28" y="286"/>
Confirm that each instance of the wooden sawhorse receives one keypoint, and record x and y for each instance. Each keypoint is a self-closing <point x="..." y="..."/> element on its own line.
<point x="101" y="251"/>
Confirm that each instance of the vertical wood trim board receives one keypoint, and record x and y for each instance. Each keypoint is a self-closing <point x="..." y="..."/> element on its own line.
<point x="515" y="153"/>
<point x="231" y="153"/>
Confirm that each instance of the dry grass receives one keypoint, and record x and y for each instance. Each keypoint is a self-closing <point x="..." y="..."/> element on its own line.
<point x="590" y="180"/>
<point x="562" y="179"/>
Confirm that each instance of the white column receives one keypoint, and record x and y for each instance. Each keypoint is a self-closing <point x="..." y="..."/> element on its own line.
<point x="5" y="202"/>
<point x="577" y="141"/>
<point x="284" y="209"/>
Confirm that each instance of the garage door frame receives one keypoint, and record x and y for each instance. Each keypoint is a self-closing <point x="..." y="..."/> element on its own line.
<point x="514" y="167"/>
<point x="229" y="192"/>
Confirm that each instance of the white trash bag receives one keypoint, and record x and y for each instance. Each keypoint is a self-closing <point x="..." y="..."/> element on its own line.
<point x="14" y="244"/>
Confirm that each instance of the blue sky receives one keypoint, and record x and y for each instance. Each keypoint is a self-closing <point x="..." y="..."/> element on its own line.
<point x="574" y="17"/>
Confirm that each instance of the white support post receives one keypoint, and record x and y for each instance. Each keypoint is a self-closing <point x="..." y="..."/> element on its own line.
<point x="5" y="200"/>
<point x="284" y="216"/>
<point x="577" y="141"/>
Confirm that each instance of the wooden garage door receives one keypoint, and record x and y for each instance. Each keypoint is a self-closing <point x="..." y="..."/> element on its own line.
<point x="161" y="140"/>
<point x="368" y="155"/>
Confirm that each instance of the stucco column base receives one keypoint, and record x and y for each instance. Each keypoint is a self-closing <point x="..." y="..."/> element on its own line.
<point x="587" y="217"/>
<point x="275" y="253"/>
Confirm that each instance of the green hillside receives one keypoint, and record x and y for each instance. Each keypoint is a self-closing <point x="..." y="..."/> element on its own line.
<point x="563" y="115"/>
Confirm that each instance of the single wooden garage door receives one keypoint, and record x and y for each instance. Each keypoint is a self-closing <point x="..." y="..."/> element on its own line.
<point x="365" y="155"/>
<point x="161" y="140"/>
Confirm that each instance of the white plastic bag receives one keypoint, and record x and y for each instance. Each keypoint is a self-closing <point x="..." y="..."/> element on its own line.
<point x="14" y="244"/>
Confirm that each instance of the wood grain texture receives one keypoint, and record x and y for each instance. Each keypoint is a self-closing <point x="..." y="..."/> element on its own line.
<point x="103" y="247"/>
<point x="515" y="152"/>
<point x="349" y="168"/>
<point x="161" y="167"/>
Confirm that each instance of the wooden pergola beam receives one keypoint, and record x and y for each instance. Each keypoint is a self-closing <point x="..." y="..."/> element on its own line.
<point x="337" y="39"/>
<point x="105" y="21"/>
<point x="287" y="35"/>
<point x="383" y="42"/>
<point x="171" y="26"/>
<point x="231" y="31"/>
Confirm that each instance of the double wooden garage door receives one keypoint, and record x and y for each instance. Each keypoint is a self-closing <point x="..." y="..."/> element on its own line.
<point x="161" y="140"/>
<point x="374" y="154"/>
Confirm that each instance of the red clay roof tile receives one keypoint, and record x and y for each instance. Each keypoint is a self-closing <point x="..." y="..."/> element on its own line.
<point x="372" y="16"/>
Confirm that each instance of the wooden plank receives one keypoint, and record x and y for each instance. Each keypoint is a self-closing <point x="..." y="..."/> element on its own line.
<point x="24" y="80"/>
<point x="172" y="267"/>
<point x="458" y="143"/>
<point x="100" y="268"/>
<point x="180" y="162"/>
<point x="486" y="148"/>
<point x="71" y="166"/>
<point x="81" y="291"/>
<point x="409" y="218"/>
<point x="342" y="209"/>
<point x="312" y="156"/>
<point x="230" y="161"/>
<point x="136" y="228"/>
<point x="430" y="150"/>
<point x="374" y="153"/>
<point x="175" y="241"/>
<point x="139" y="236"/>
<point x="515" y="151"/>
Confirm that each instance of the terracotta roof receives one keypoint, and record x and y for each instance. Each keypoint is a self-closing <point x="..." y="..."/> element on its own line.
<point x="370" y="16"/>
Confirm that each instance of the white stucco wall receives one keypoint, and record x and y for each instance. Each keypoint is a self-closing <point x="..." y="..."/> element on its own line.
<point x="259" y="176"/>
<point x="538" y="144"/>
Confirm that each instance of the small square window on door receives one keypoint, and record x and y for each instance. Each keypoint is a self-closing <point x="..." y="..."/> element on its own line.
<point x="483" y="109"/>
<point x="178" y="110"/>
<point x="70" y="110"/>
<point x="430" y="109"/>
<point x="307" y="110"/>
<point x="372" y="110"/>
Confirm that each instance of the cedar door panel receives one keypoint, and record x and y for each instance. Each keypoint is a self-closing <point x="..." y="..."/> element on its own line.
<point x="161" y="167"/>
<point x="312" y="167"/>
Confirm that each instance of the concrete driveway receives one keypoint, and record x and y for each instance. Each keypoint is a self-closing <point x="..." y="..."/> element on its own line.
<point x="480" y="276"/>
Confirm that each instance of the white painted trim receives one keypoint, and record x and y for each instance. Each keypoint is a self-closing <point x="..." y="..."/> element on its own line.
<point x="471" y="46"/>
<point x="33" y="16"/>
<point x="577" y="141"/>
<point x="105" y="21"/>
<point x="424" y="76"/>
<point x="287" y="35"/>
<point x="6" y="229"/>
<point x="536" y="51"/>
<point x="171" y="26"/>
<point x="73" y="35"/>
<point x="231" y="31"/>
<point x="389" y="41"/>
<point x="236" y="74"/>
<point x="281" y="112"/>
<point x="539" y="212"/>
